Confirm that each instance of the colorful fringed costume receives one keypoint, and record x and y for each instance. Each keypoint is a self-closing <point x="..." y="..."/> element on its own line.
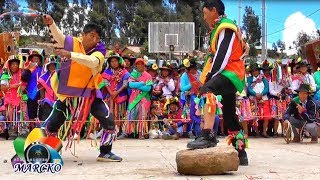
<point x="223" y="74"/>
<point x="116" y="82"/>
<point x="77" y="86"/>
<point x="139" y="102"/>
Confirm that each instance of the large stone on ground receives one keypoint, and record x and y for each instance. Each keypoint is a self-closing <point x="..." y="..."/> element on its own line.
<point x="210" y="161"/>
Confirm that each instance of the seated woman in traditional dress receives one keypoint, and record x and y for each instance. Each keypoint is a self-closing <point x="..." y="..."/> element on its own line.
<point x="173" y="119"/>
<point x="156" y="123"/>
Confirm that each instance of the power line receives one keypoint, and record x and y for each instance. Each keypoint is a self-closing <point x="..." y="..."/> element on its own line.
<point x="292" y="24"/>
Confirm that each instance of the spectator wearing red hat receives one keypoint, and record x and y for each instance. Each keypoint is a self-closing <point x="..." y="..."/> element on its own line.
<point x="140" y="83"/>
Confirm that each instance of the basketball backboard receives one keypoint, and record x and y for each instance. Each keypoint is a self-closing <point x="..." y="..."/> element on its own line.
<point x="163" y="34"/>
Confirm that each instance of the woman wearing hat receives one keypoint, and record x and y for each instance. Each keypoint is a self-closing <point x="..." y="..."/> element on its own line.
<point x="166" y="82"/>
<point x="258" y="89"/>
<point x="10" y="84"/>
<point x="47" y="96"/>
<point x="129" y="62"/>
<point x="303" y="77"/>
<point x="140" y="83"/>
<point x="116" y="78"/>
<point x="30" y="76"/>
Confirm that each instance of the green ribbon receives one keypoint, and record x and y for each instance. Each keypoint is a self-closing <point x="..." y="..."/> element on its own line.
<point x="139" y="97"/>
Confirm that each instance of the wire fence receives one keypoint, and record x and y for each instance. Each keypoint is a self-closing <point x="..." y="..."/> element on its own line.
<point x="145" y="120"/>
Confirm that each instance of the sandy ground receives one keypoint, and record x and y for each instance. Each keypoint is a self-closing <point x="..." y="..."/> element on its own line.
<point x="155" y="159"/>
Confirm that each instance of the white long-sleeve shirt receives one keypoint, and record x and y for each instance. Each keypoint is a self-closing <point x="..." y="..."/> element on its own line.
<point x="93" y="61"/>
<point x="274" y="88"/>
<point x="167" y="89"/>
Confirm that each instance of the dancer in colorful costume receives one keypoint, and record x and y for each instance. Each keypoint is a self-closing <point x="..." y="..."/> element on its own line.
<point x="140" y="83"/>
<point x="116" y="77"/>
<point x="76" y="85"/>
<point x="223" y="74"/>
<point x="10" y="85"/>
<point x="47" y="96"/>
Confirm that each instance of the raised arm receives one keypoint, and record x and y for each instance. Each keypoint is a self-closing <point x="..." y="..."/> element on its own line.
<point x="55" y="33"/>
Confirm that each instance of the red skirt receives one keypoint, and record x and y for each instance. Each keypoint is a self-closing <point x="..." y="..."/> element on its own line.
<point x="264" y="111"/>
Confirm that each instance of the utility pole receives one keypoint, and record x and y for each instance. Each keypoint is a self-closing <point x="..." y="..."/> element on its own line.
<point x="199" y="43"/>
<point x="263" y="48"/>
<point x="239" y="15"/>
<point x="266" y="40"/>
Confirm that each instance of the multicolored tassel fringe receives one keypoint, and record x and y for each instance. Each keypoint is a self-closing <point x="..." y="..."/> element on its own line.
<point x="238" y="140"/>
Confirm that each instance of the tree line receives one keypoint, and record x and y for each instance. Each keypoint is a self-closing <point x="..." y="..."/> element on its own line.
<point x="126" y="21"/>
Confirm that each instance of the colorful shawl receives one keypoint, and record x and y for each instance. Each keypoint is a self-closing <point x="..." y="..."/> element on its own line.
<point x="136" y="94"/>
<point x="44" y="81"/>
<point x="194" y="79"/>
<point x="116" y="79"/>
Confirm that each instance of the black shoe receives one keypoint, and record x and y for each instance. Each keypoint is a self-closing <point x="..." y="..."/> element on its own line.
<point x="203" y="141"/>
<point x="243" y="158"/>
